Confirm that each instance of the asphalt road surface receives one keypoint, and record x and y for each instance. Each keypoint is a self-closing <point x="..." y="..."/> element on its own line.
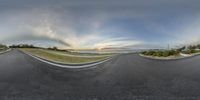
<point x="126" y="77"/>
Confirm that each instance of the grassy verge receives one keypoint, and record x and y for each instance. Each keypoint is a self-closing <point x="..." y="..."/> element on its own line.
<point x="73" y="54"/>
<point x="165" y="53"/>
<point x="170" y="54"/>
<point x="64" y="57"/>
<point x="191" y="51"/>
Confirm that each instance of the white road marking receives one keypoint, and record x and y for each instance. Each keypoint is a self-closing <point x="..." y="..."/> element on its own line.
<point x="69" y="66"/>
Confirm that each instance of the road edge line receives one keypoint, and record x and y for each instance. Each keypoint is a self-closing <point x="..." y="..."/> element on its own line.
<point x="65" y="65"/>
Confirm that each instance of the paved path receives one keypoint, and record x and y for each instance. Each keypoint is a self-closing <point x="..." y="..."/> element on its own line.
<point x="126" y="77"/>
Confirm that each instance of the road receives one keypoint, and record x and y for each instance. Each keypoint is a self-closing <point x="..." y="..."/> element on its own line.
<point x="125" y="77"/>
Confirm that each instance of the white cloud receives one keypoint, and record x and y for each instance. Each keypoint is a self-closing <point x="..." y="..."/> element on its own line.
<point x="189" y="33"/>
<point x="49" y="25"/>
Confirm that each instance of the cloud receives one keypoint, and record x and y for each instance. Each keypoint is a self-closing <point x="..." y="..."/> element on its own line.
<point x="50" y="26"/>
<point x="188" y="33"/>
<point x="101" y="23"/>
<point x="117" y="43"/>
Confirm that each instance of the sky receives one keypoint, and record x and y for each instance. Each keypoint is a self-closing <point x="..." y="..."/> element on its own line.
<point x="100" y="24"/>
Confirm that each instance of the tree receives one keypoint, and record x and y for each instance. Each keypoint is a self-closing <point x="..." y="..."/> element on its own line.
<point x="181" y="49"/>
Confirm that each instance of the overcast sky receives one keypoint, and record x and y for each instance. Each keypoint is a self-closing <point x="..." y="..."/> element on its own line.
<point x="135" y="24"/>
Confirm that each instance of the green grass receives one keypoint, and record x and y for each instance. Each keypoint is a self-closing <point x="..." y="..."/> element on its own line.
<point x="191" y="51"/>
<point x="169" y="53"/>
<point x="64" y="57"/>
<point x="165" y="53"/>
<point x="63" y="53"/>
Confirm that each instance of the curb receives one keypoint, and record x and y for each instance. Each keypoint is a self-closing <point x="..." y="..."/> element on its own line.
<point x="71" y="66"/>
<point x="167" y="59"/>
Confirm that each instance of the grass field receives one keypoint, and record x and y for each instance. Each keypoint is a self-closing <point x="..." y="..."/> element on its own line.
<point x="64" y="57"/>
<point x="63" y="53"/>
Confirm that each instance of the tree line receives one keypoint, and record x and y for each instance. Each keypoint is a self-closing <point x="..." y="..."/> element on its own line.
<point x="23" y="46"/>
<point x="32" y="46"/>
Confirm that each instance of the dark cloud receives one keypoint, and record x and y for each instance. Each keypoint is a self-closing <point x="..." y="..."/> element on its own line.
<point x="102" y="4"/>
